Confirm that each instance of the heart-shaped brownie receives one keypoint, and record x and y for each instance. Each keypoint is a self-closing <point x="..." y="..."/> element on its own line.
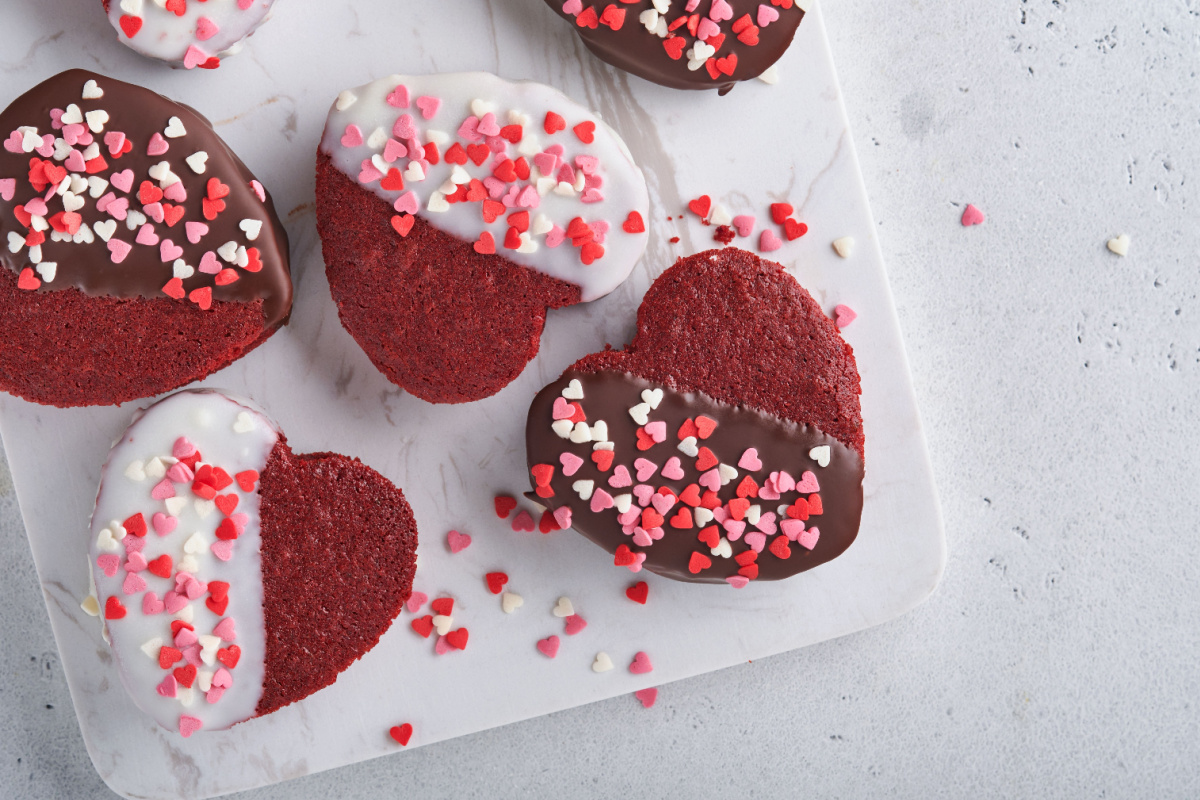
<point x="186" y="33"/>
<point x="724" y="443"/>
<point x="141" y="254"/>
<point x="455" y="209"/>
<point x="686" y="44"/>
<point x="234" y="576"/>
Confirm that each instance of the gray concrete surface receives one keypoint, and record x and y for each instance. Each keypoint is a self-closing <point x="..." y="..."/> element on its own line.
<point x="1059" y="385"/>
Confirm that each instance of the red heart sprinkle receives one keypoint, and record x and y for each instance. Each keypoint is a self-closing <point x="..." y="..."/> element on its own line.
<point x="588" y="18"/>
<point x="201" y="297"/>
<point x="130" y="25"/>
<point x="161" y="567"/>
<point x="491" y="210"/>
<point x="496" y="582"/>
<point x="727" y="64"/>
<point x="644" y="440"/>
<point x="638" y="592"/>
<point x="217" y="606"/>
<point x="799" y="509"/>
<point x="478" y="153"/>
<point x="135" y="525"/>
<point x="149" y="193"/>
<point x="227" y="530"/>
<point x="698" y="562"/>
<point x="486" y="244"/>
<point x="174" y="288"/>
<point x="780" y="212"/>
<point x="393" y="181"/>
<point x="710" y="500"/>
<point x="456" y="154"/>
<point x="512" y="239"/>
<point x="603" y="459"/>
<point x="741" y="23"/>
<point x="27" y="280"/>
<point x="519" y="220"/>
<point x="185" y="676"/>
<point x="553" y="123"/>
<point x="779" y="547"/>
<point x="815" y="506"/>
<point x="211" y="208"/>
<point x="691" y="495"/>
<point x="229" y="656"/>
<point x="220" y="479"/>
<point x="586" y="131"/>
<point x="749" y="571"/>
<point x="168" y="656"/>
<point x="113" y="609"/>
<point x="423" y="625"/>
<point x="246" y="479"/>
<point x="591" y="252"/>
<point x="401" y="733"/>
<point x="794" y="230"/>
<point x="227" y="503"/>
<point x="688" y="428"/>
<point x="179" y="7"/>
<point x="711" y="536"/>
<point x="613" y="17"/>
<point x="172" y="214"/>
<point x="457" y="639"/>
<point x="675" y="46"/>
<point x="705" y="426"/>
<point x="701" y="206"/>
<point x="624" y="556"/>
<point x="633" y="223"/>
<point x="542" y="473"/>
<point x="747" y="488"/>
<point x="744" y="558"/>
<point x="541" y="491"/>
<point x="548" y="524"/>
<point x="682" y="519"/>
<point x="218" y="589"/>
<point x="651" y="518"/>
<point x="705" y="460"/>
<point x="443" y="606"/>
<point x="738" y="507"/>
<point x="512" y="133"/>
<point x="226" y="277"/>
<point x="504" y="505"/>
<point x="216" y="189"/>
<point x="177" y="625"/>
<point x="403" y="223"/>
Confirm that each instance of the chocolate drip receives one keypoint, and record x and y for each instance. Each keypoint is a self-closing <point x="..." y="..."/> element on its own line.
<point x="782" y="446"/>
<point x="139" y="113"/>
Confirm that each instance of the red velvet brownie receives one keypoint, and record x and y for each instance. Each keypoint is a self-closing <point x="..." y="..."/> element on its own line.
<point x="725" y="443"/>
<point x="687" y="44"/>
<point x="186" y="33"/>
<point x="455" y="209"/>
<point x="141" y="253"/>
<point x="235" y="577"/>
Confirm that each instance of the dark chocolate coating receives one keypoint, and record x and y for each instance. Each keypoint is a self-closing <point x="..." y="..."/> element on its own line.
<point x="139" y="113"/>
<point x="634" y="49"/>
<point x="781" y="445"/>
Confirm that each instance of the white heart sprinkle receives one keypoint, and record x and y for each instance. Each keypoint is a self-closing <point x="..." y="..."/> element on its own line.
<point x="727" y="473"/>
<point x="96" y="120"/>
<point x="562" y="427"/>
<point x="251" y="227"/>
<point x="203" y="507"/>
<point x="79" y="183"/>
<point x="47" y="269"/>
<point x="652" y="397"/>
<point x="844" y="246"/>
<point x="134" y="219"/>
<point x="188" y="564"/>
<point x="723" y="548"/>
<point x="649" y="18"/>
<point x="175" y="128"/>
<point x="581" y="433"/>
<point x="244" y="422"/>
<point x="133" y="7"/>
<point x="820" y="455"/>
<point x="1119" y="245"/>
<point x="92" y="151"/>
<point x="96" y="186"/>
<point x="175" y="505"/>
<point x="753" y="514"/>
<point x="541" y="225"/>
<point x="563" y="608"/>
<point x="105" y="229"/>
<point x="106" y="541"/>
<point x="437" y="203"/>
<point x="346" y="99"/>
<point x="198" y="161"/>
<point x="90" y="606"/>
<point x="92" y="91"/>
<point x="204" y="679"/>
<point x="702" y="515"/>
<point x="136" y="471"/>
<point x="228" y="251"/>
<point x="16" y="242"/>
<point x="623" y="502"/>
<point x="72" y="201"/>
<point x="182" y="270"/>
<point x="377" y="138"/>
<point x="480" y="107"/>
<point x="442" y="624"/>
<point x="416" y="173"/>
<point x="602" y="663"/>
<point x="437" y="137"/>
<point x="688" y="447"/>
<point x="84" y="236"/>
<point x="599" y="431"/>
<point x="155" y="468"/>
<point x="510" y="602"/>
<point x="640" y="413"/>
<point x="719" y="215"/>
<point x="72" y="116"/>
<point x="584" y="489"/>
<point x="574" y="390"/>
<point x="195" y="543"/>
<point x="151" y="646"/>
<point x="770" y="75"/>
<point x="603" y="446"/>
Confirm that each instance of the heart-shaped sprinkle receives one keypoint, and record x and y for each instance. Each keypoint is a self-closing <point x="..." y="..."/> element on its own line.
<point x="1119" y="245"/>
<point x="401" y="733"/>
<point x="573" y="624"/>
<point x="504" y="505"/>
<point x="602" y="663"/>
<point x="457" y="639"/>
<point x="496" y="581"/>
<point x="457" y="542"/>
<point x="640" y="664"/>
<point x="523" y="521"/>
<point x="415" y="601"/>
<point x="563" y="608"/>
<point x="510" y="602"/>
<point x="548" y="646"/>
<point x="844" y="246"/>
<point x="843" y="315"/>
<point x="972" y="216"/>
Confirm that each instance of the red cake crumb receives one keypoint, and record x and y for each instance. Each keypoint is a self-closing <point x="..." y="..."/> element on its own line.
<point x="723" y="234"/>
<point x="766" y="343"/>
<point x="114" y="350"/>
<point x="437" y="318"/>
<point x="339" y="547"/>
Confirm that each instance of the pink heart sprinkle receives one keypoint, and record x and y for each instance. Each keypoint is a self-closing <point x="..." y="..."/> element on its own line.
<point x="548" y="646"/>
<point x="641" y="662"/>
<point x="574" y="624"/>
<point x="808" y="539"/>
<point x="244" y="4"/>
<point x="15" y="143"/>
<point x="168" y="251"/>
<point x="768" y="241"/>
<point x="673" y="469"/>
<point x="108" y="563"/>
<point x="226" y="630"/>
<point x="662" y="502"/>
<point x="163" y="489"/>
<point x="766" y="521"/>
<point x="744" y="224"/>
<point x="766" y="15"/>
<point x="791" y="528"/>
<point x="642" y="538"/>
<point x="572" y="7"/>
<point x="174" y="602"/>
<point x="368" y="173"/>
<point x="189" y="725"/>
<point x="133" y="583"/>
<point x="707" y="29"/>
<point x="146" y="235"/>
<point x="398" y="97"/>
<point x="784" y="482"/>
<point x="194" y="57"/>
<point x="213" y="695"/>
<point x="648" y="697"/>
<point x="75" y="162"/>
<point x="162" y="523"/>
<point x="415" y="601"/>
<point x="123" y="180"/>
<point x="352" y="137"/>
<point x="222" y="549"/>
<point x="404" y="127"/>
<point x="808" y="483"/>
<point x="620" y="477"/>
<point x="192" y="656"/>
<point x="645" y="469"/>
<point x="47" y="148"/>
<point x="749" y="460"/>
<point x="571" y="463"/>
<point x="843" y="316"/>
<point x="209" y="264"/>
<point x="546" y="163"/>
<point x="133" y="544"/>
<point x="167" y="687"/>
<point x="562" y="409"/>
<point x="135" y="562"/>
<point x="643" y="492"/>
<point x="734" y="528"/>
<point x="393" y="151"/>
<point x="115" y="141"/>
<point x="710" y="480"/>
<point x="638" y="560"/>
<point x="195" y="588"/>
<point x="195" y="231"/>
<point x="259" y="191"/>
<point x="737" y="581"/>
<point x="555" y="237"/>
<point x="206" y="29"/>
<point x="222" y="679"/>
<point x="151" y="604"/>
<point x="429" y="106"/>
<point x="154" y="211"/>
<point x="8" y="187"/>
<point x="768" y="492"/>
<point x="657" y="431"/>
<point x="457" y="542"/>
<point x="442" y="647"/>
<point x="562" y="516"/>
<point x="529" y="198"/>
<point x="972" y="216"/>
<point x="158" y="145"/>
<point x="600" y="501"/>
<point x="720" y="11"/>
<point x="523" y="521"/>
<point x="756" y="540"/>
<point x="407" y="202"/>
<point x="185" y="638"/>
<point x="175" y="192"/>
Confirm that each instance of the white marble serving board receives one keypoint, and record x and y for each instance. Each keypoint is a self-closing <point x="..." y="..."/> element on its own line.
<point x="758" y="145"/>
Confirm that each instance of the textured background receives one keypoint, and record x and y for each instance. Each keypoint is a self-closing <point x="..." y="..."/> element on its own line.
<point x="1058" y="384"/>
